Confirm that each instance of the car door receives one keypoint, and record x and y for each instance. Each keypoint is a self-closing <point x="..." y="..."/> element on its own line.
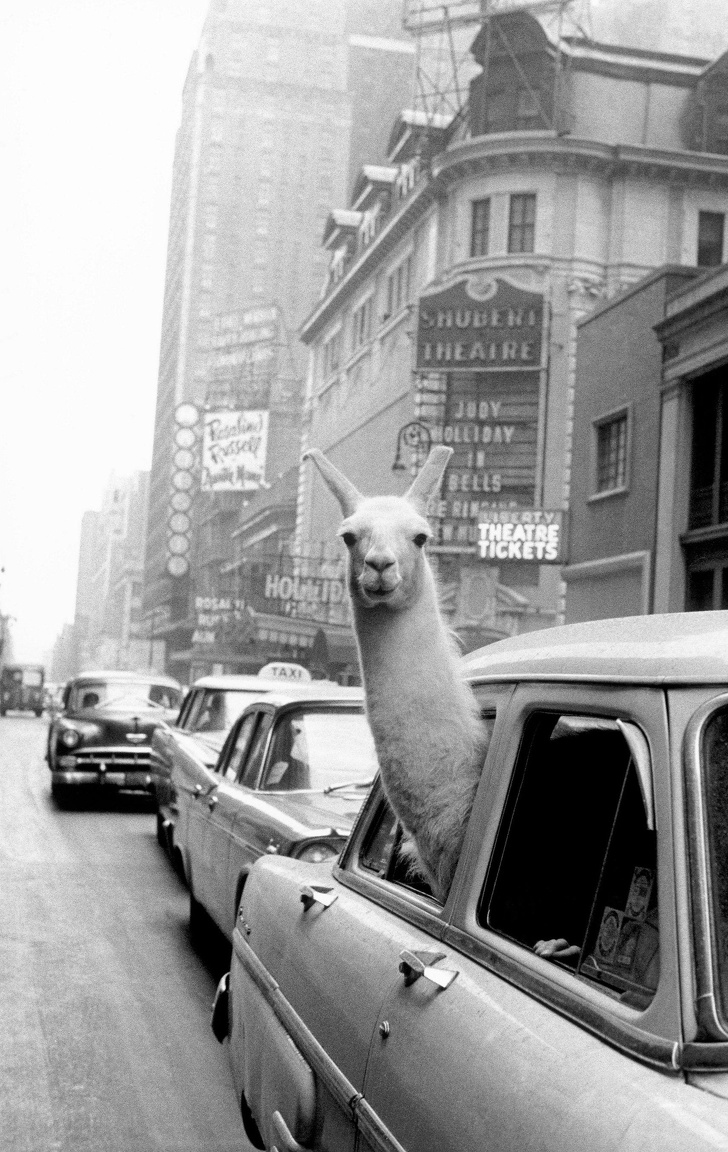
<point x="332" y="966"/>
<point x="243" y="750"/>
<point x="574" y="1047"/>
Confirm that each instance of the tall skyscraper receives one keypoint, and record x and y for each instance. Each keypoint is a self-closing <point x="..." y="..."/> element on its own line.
<point x="282" y="104"/>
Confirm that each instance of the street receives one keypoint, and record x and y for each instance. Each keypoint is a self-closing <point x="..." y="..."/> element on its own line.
<point x="106" y="1042"/>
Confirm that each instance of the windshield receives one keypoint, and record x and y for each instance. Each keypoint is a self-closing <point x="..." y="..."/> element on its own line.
<point x="320" y="750"/>
<point x="214" y="710"/>
<point x="32" y="677"/>
<point x="125" y="696"/>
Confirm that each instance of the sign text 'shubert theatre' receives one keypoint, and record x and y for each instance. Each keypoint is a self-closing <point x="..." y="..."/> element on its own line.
<point x="485" y="335"/>
<point x="479" y="323"/>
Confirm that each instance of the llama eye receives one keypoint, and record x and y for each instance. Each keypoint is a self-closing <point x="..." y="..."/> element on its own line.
<point x="420" y="539"/>
<point x="349" y="538"/>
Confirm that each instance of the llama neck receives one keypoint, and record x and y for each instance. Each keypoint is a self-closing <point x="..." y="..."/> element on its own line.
<point x="409" y="647"/>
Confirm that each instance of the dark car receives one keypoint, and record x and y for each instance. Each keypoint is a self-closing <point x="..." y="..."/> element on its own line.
<point x="21" y="688"/>
<point x="102" y="736"/>
<point x="290" y="780"/>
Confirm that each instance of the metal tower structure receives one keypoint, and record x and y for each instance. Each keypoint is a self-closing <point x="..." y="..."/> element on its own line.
<point x="444" y="32"/>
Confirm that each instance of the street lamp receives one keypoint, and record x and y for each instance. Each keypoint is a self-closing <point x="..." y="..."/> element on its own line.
<point x="415" y="438"/>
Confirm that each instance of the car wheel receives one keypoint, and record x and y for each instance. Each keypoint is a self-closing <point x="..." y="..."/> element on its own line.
<point x="198" y="918"/>
<point x="252" y="1131"/>
<point x="61" y="794"/>
<point x="161" y="832"/>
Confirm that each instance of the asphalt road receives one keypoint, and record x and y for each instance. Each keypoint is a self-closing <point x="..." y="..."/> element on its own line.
<point x="105" y="1041"/>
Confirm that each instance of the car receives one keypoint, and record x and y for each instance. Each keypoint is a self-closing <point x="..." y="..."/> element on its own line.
<point x="571" y="991"/>
<point x="197" y="736"/>
<point x="21" y="688"/>
<point x="101" y="738"/>
<point x="290" y="781"/>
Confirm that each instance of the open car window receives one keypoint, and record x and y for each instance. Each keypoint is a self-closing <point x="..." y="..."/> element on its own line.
<point x="384" y="851"/>
<point x="574" y="874"/>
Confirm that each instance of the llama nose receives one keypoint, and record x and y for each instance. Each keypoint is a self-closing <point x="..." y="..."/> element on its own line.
<point x="379" y="561"/>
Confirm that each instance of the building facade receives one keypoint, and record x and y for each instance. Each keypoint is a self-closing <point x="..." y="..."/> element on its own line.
<point x="649" y="517"/>
<point x="279" y="104"/>
<point x="109" y="628"/>
<point x="459" y="273"/>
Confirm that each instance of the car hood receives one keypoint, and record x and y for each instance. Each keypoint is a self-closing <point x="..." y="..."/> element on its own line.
<point x="316" y="810"/>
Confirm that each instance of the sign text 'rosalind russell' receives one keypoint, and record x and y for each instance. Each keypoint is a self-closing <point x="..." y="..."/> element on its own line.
<point x="534" y="535"/>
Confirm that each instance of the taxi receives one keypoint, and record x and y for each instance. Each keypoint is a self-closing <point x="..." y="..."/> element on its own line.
<point x="571" y="991"/>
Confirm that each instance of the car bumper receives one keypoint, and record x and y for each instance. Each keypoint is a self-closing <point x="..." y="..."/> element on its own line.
<point x="105" y="768"/>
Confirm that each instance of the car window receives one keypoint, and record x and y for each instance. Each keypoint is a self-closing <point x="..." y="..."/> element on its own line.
<point x="252" y="765"/>
<point x="235" y="754"/>
<point x="384" y="851"/>
<point x="714" y="755"/>
<point x="318" y="750"/>
<point x="216" y="710"/>
<point x="574" y="876"/>
<point x="125" y="695"/>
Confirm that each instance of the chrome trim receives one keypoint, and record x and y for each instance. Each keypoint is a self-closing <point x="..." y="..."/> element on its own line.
<point x="704" y="943"/>
<point x="343" y="1091"/>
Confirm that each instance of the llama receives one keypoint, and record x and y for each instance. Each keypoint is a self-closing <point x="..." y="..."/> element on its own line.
<point x="429" y="738"/>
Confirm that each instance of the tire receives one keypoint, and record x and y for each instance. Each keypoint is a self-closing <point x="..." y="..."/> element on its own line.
<point x="198" y="919"/>
<point x="61" y="794"/>
<point x="161" y="832"/>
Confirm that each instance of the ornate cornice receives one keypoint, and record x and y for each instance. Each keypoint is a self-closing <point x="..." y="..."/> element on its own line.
<point x="482" y="155"/>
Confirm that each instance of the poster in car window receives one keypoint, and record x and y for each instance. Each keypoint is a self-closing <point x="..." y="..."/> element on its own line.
<point x="234" y="446"/>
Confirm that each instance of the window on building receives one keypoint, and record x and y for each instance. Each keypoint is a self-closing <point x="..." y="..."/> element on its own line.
<point x="398" y="287"/>
<point x="709" y="472"/>
<point x="575" y="867"/>
<point x="711" y="227"/>
<point x="522" y="222"/>
<point x="361" y="324"/>
<point x="332" y="354"/>
<point x="528" y="113"/>
<point x="480" y="228"/>
<point x="611" y="453"/>
<point x="496" y="112"/>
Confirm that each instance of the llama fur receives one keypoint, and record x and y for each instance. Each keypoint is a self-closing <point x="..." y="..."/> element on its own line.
<point x="426" y="724"/>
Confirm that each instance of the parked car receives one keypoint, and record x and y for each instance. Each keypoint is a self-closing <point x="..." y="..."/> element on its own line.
<point x="21" y="688"/>
<point x="196" y="737"/>
<point x="572" y="991"/>
<point x="101" y="738"/>
<point x="289" y="781"/>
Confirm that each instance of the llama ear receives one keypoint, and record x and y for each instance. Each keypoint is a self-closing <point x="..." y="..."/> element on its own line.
<point x="348" y="496"/>
<point x="429" y="476"/>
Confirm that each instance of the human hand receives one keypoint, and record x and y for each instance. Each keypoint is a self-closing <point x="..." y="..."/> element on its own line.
<point x="558" y="949"/>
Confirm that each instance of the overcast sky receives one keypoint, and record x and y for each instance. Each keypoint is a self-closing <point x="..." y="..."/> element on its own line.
<point x="90" y="99"/>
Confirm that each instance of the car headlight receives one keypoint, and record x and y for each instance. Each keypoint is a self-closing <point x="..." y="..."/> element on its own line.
<point x="317" y="852"/>
<point x="70" y="737"/>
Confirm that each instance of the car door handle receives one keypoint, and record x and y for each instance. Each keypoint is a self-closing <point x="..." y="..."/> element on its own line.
<point x="315" y="894"/>
<point x="284" y="1136"/>
<point x="212" y="802"/>
<point x="412" y="965"/>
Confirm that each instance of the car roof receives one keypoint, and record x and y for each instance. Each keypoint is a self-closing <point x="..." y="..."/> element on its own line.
<point x="314" y="692"/>
<point x="230" y="682"/>
<point x="674" y="648"/>
<point x="118" y="677"/>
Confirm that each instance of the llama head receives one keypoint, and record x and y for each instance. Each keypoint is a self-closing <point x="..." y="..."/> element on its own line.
<point x="385" y="535"/>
